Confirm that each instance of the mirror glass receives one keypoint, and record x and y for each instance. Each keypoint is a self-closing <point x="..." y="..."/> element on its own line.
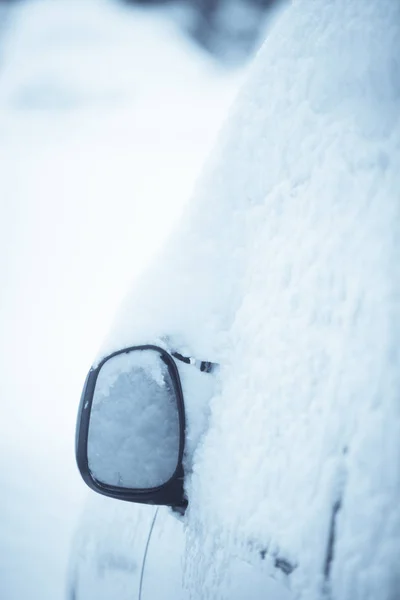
<point x="133" y="438"/>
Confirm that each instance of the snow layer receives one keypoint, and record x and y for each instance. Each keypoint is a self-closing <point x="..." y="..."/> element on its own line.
<point x="285" y="270"/>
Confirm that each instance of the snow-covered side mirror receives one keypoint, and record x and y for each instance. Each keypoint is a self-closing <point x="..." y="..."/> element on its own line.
<point x="131" y="427"/>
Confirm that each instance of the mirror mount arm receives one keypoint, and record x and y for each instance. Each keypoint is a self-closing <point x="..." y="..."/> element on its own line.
<point x="205" y="366"/>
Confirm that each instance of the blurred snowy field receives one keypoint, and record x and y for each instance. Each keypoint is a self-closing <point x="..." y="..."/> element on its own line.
<point x="106" y="116"/>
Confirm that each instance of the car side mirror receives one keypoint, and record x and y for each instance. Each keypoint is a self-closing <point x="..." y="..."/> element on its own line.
<point x="131" y="427"/>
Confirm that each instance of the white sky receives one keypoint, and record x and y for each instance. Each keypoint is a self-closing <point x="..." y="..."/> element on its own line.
<point x="106" y="115"/>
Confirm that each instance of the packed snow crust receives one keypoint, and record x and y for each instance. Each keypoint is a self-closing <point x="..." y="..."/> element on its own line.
<point x="285" y="270"/>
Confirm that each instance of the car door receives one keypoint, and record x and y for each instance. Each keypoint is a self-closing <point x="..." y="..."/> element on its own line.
<point x="163" y="561"/>
<point x="166" y="573"/>
<point x="108" y="550"/>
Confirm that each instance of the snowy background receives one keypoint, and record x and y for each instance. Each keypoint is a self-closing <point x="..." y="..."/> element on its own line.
<point x="106" y="115"/>
<point x="284" y="270"/>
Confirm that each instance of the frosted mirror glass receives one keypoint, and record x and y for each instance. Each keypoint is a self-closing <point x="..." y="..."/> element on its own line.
<point x="133" y="438"/>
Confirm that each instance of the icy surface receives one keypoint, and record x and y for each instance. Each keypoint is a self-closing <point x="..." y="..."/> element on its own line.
<point x="134" y="436"/>
<point x="285" y="270"/>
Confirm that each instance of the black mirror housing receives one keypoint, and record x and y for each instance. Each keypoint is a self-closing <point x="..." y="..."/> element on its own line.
<point x="171" y="492"/>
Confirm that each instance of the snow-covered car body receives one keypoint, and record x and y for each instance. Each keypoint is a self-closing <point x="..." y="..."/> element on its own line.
<point x="285" y="272"/>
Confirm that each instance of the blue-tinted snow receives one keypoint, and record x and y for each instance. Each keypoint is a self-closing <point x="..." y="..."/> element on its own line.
<point x="285" y="269"/>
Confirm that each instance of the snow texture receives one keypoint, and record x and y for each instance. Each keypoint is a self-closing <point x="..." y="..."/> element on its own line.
<point x="285" y="270"/>
<point x="134" y="407"/>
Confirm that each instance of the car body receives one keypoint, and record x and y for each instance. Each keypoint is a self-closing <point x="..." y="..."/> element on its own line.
<point x="284" y="273"/>
<point x="139" y="552"/>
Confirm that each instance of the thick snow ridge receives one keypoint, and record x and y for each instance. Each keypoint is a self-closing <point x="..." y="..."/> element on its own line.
<point x="313" y="376"/>
<point x="286" y="271"/>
